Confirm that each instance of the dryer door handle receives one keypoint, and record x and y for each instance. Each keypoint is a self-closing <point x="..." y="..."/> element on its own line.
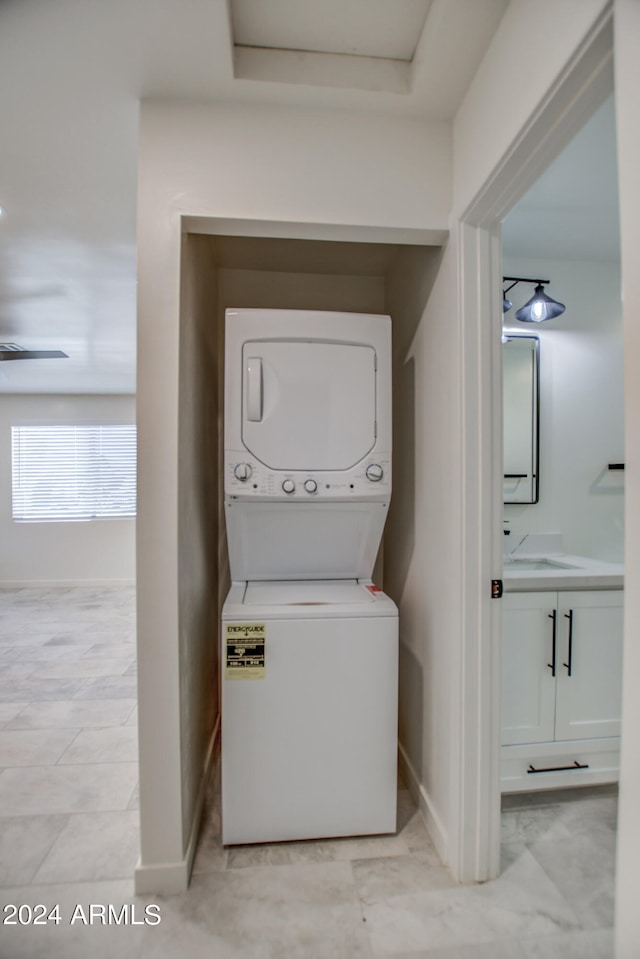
<point x="254" y="389"/>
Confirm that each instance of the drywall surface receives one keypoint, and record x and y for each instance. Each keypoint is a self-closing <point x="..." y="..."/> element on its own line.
<point x="423" y="530"/>
<point x="303" y="291"/>
<point x="259" y="163"/>
<point x="581" y="407"/>
<point x="72" y="552"/>
<point x="512" y="83"/>
<point x="198" y="490"/>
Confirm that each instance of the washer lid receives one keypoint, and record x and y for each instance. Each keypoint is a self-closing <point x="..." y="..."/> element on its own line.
<point x="307" y="593"/>
<point x="303" y="540"/>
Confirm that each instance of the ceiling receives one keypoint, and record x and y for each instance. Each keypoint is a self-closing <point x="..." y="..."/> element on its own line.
<point x="356" y="28"/>
<point x="76" y="71"/>
<point x="572" y="211"/>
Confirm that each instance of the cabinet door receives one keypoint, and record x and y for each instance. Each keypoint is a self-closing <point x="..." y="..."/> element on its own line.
<point x="588" y="704"/>
<point x="528" y="683"/>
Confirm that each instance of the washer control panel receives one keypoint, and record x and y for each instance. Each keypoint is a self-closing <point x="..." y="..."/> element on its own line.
<point x="247" y="477"/>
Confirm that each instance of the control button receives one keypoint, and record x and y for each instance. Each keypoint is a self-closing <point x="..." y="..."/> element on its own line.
<point x="310" y="485"/>
<point x="374" y="472"/>
<point x="288" y="485"/>
<point x="242" y="472"/>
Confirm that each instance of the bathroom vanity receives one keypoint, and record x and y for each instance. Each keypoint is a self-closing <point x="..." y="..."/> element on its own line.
<point x="561" y="672"/>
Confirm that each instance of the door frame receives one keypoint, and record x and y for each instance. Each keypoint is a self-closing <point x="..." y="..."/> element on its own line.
<point x="583" y="86"/>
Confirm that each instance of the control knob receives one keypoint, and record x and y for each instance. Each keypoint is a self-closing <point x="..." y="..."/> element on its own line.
<point x="374" y="472"/>
<point x="288" y="485"/>
<point x="242" y="472"/>
<point x="310" y="485"/>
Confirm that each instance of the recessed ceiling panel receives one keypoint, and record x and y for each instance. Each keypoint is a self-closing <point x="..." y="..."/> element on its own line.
<point x="366" y="28"/>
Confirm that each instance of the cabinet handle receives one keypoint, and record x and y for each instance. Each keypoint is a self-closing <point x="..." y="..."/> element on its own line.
<point x="568" y="665"/>
<point x="552" y="664"/>
<point x="558" y="769"/>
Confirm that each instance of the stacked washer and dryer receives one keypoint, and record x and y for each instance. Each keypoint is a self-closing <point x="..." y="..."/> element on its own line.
<point x="309" y="653"/>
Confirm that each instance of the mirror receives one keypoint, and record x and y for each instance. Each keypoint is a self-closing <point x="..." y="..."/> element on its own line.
<point x="521" y="376"/>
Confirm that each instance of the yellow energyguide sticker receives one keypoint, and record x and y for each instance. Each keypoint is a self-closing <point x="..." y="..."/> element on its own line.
<point x="244" y="650"/>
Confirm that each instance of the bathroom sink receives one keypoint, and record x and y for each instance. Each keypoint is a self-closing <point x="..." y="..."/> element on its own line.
<point x="530" y="565"/>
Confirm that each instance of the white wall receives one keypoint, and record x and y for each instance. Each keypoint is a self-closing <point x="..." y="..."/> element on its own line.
<point x="423" y="530"/>
<point x="237" y="163"/>
<point x="627" y="41"/>
<point x="285" y="164"/>
<point x="198" y="494"/>
<point x="95" y="550"/>
<point x="581" y="407"/>
<point x="508" y="91"/>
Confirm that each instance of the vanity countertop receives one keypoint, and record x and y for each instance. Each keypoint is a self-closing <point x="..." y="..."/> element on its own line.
<point x="560" y="571"/>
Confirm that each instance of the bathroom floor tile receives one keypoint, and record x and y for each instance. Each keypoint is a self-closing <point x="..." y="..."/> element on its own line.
<point x="583" y="869"/>
<point x="499" y="949"/>
<point x="93" y="846"/>
<point x="24" y="843"/>
<point x="35" y="654"/>
<point x="596" y="944"/>
<point x="134" y="802"/>
<point x="587" y="817"/>
<point x="291" y="912"/>
<point x="133" y="718"/>
<point x="72" y="714"/>
<point x="76" y="936"/>
<point x="83" y="669"/>
<point x="40" y="790"/>
<point x="35" y="690"/>
<point x="17" y="671"/>
<point x="113" y="744"/>
<point x="14" y="635"/>
<point x="34" y="747"/>
<point x="108" y="687"/>
<point x="521" y="902"/>
<point x="9" y="711"/>
<point x="314" y="850"/>
<point x="115" y="650"/>
<point x="384" y="880"/>
<point x="521" y="827"/>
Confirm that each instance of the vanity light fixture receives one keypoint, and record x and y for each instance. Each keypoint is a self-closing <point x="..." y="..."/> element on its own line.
<point x="539" y="308"/>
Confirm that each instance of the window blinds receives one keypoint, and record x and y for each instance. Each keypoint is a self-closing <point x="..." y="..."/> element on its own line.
<point x="73" y="472"/>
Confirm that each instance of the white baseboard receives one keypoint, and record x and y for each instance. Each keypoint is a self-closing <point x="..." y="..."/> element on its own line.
<point x="420" y="796"/>
<point x="161" y="879"/>
<point x="171" y="878"/>
<point x="199" y="803"/>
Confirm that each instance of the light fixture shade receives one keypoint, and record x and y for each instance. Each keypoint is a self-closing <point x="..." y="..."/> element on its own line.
<point x="506" y="304"/>
<point x="539" y="308"/>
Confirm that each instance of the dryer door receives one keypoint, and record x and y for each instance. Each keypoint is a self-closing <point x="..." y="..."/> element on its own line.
<point x="308" y="405"/>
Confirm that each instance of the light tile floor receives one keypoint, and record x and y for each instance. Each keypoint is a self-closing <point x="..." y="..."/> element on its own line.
<point x="69" y="836"/>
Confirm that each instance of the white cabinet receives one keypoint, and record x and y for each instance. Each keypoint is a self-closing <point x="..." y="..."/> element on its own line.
<point x="561" y="688"/>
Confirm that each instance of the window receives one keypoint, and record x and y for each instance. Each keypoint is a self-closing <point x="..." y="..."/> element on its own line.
<point x="73" y="472"/>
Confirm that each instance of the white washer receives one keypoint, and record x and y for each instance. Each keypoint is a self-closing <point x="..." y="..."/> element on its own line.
<point x="309" y="652"/>
<point x="309" y="711"/>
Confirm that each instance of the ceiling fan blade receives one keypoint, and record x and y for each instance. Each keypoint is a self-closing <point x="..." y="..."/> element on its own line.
<point x="30" y="354"/>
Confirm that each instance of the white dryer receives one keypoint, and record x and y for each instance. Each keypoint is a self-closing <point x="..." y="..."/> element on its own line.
<point x="309" y="644"/>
